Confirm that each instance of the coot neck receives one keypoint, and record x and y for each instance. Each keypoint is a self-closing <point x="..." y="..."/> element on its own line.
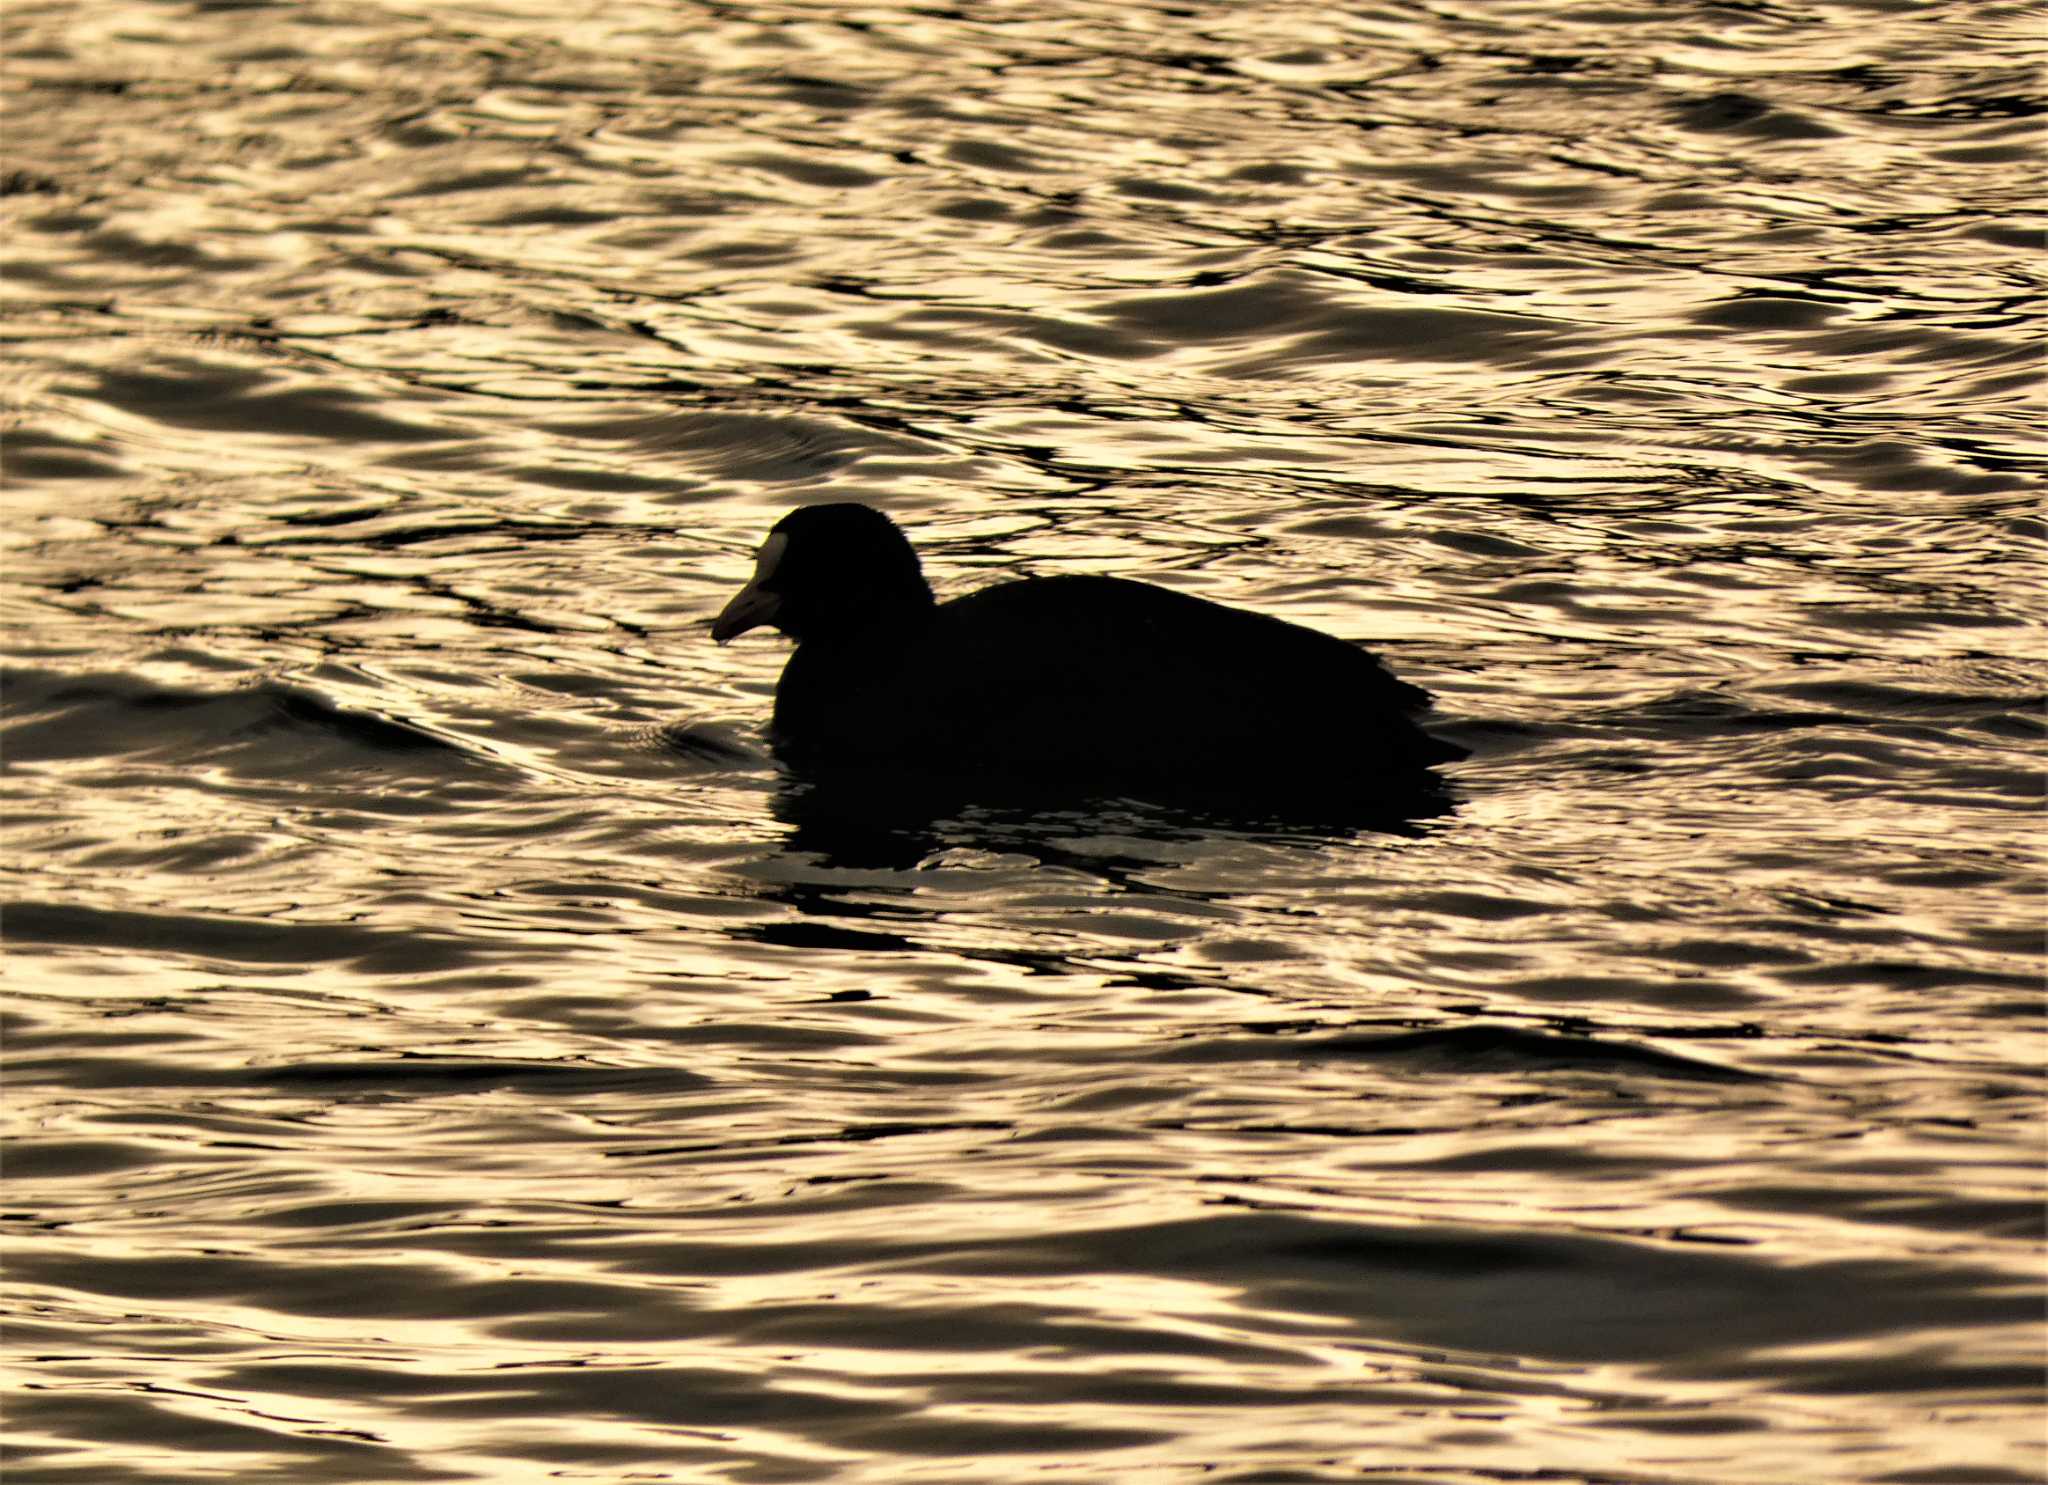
<point x="889" y="618"/>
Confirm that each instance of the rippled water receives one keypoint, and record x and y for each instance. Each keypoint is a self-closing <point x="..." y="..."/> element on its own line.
<point x="440" y="1048"/>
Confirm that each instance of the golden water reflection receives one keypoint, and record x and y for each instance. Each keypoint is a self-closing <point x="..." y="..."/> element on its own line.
<point x="440" y="1044"/>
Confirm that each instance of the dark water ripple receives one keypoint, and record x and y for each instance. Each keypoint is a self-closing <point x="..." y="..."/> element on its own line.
<point x="441" y="1046"/>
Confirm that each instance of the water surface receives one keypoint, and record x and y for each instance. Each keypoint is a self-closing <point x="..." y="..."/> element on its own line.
<point x="440" y="1045"/>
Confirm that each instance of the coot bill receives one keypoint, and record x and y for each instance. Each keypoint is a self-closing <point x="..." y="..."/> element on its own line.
<point x="1117" y="685"/>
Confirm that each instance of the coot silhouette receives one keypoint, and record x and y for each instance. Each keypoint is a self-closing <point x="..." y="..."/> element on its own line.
<point x="1094" y="682"/>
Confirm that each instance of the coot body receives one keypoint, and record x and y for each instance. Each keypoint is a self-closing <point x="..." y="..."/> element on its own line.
<point x="1091" y="681"/>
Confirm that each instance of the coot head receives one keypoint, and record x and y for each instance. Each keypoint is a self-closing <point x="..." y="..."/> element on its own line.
<point x="829" y="569"/>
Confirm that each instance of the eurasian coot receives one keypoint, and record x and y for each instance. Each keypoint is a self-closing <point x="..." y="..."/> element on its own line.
<point x="1115" y="685"/>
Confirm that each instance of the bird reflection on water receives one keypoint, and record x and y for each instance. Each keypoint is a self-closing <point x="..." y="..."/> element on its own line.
<point x="894" y="818"/>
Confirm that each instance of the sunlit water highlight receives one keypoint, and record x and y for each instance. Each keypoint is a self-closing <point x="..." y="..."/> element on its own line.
<point x="439" y="1047"/>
